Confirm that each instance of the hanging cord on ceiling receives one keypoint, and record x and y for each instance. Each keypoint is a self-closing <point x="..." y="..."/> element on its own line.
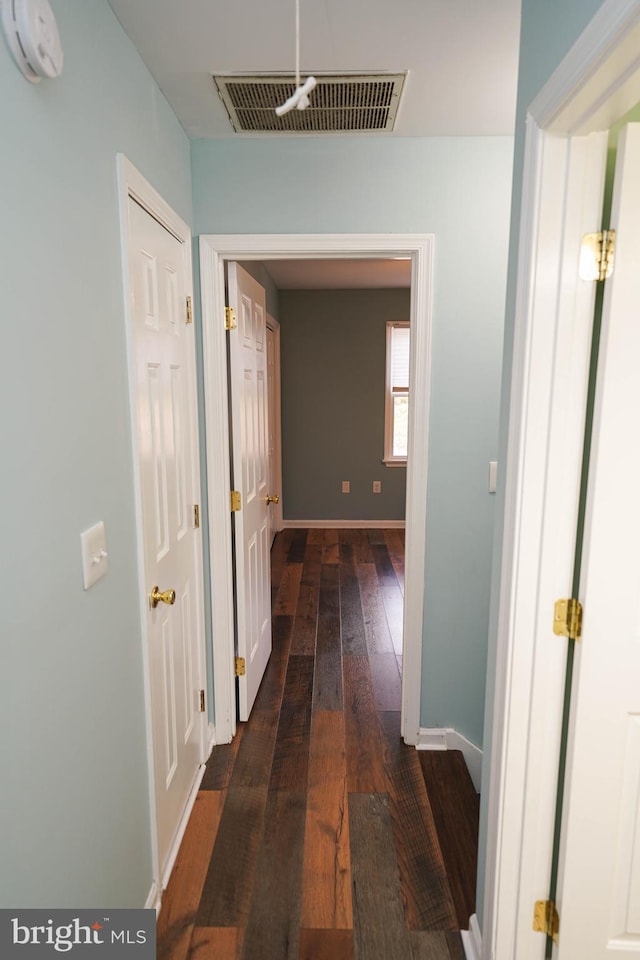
<point x="300" y="98"/>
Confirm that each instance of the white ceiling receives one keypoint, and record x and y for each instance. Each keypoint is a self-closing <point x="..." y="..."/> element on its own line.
<point x="461" y="55"/>
<point x="339" y="274"/>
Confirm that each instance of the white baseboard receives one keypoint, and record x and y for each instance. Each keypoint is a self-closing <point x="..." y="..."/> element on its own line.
<point x="345" y="524"/>
<point x="446" y="738"/>
<point x="183" y="826"/>
<point x="472" y="940"/>
<point x="211" y="741"/>
<point x="154" y="898"/>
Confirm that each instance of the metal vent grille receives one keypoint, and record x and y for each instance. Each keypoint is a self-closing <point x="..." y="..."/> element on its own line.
<point x="339" y="104"/>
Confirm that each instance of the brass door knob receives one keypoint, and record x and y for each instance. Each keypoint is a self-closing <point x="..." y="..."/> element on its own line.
<point x="273" y="498"/>
<point x="166" y="596"/>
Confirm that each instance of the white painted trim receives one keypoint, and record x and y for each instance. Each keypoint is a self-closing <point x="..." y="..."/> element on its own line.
<point x="171" y="859"/>
<point x="214" y="251"/>
<point x="416" y="495"/>
<point x="344" y="524"/>
<point x="597" y="81"/>
<point x="211" y="739"/>
<point x="446" y="738"/>
<point x="472" y="940"/>
<point x="218" y="487"/>
<point x="273" y="325"/>
<point x="154" y="899"/>
<point x="131" y="183"/>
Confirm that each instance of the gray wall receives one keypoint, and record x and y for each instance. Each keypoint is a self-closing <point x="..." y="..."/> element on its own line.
<point x="459" y="190"/>
<point x="74" y="829"/>
<point x="333" y="346"/>
<point x="549" y="28"/>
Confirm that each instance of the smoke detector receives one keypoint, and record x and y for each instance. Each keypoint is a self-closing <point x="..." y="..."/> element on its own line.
<point x="33" y="38"/>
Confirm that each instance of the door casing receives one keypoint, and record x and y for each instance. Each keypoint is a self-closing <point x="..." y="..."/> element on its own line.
<point x="273" y="327"/>
<point x="567" y="123"/>
<point x="214" y="251"/>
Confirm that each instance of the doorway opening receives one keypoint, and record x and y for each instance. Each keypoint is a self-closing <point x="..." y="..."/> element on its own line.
<point x="215" y="251"/>
<point x="332" y="348"/>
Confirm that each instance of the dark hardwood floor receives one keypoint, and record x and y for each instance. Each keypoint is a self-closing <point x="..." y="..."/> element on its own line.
<point x="318" y="834"/>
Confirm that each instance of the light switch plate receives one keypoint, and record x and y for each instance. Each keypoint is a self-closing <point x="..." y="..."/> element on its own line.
<point x="94" y="554"/>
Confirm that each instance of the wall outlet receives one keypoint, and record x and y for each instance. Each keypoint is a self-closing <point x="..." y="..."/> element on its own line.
<point x="377" y="486"/>
<point x="346" y="486"/>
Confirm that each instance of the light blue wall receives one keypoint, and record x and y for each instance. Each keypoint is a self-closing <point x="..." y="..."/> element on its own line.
<point x="74" y="829"/>
<point x="549" y="28"/>
<point x="459" y="190"/>
<point x="333" y="363"/>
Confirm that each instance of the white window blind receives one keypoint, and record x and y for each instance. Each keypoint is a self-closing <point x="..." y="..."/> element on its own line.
<point x="399" y="358"/>
<point x="397" y="394"/>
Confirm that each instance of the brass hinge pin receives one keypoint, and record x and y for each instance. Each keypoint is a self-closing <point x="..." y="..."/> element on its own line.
<point x="196" y="516"/>
<point x="189" y="318"/>
<point x="567" y="618"/>
<point x="202" y="702"/>
<point x="546" y="919"/>
<point x="599" y="249"/>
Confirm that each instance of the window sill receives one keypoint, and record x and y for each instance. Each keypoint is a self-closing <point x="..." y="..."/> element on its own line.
<point x="395" y="463"/>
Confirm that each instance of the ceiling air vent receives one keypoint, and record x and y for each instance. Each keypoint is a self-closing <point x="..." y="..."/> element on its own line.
<point x="339" y="104"/>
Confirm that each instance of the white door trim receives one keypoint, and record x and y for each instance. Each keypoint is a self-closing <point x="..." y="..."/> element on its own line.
<point x="598" y="82"/>
<point x="274" y="326"/>
<point x="131" y="183"/>
<point x="214" y="250"/>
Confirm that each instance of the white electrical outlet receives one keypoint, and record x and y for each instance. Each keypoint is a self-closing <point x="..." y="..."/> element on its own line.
<point x="346" y="486"/>
<point x="377" y="486"/>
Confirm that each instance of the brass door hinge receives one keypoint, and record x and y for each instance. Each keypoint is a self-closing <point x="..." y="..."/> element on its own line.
<point x="196" y="515"/>
<point x="600" y="249"/>
<point x="189" y="310"/>
<point x="567" y="618"/>
<point x="546" y="918"/>
<point x="202" y="702"/>
<point x="241" y="667"/>
<point x="236" y="501"/>
<point x="230" y="321"/>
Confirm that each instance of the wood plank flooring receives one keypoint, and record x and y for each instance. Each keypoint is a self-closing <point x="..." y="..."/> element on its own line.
<point x="318" y="834"/>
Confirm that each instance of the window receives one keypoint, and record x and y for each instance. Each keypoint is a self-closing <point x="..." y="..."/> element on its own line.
<point x="397" y="395"/>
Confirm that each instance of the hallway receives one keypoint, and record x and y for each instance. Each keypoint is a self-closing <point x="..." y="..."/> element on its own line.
<point x="317" y="834"/>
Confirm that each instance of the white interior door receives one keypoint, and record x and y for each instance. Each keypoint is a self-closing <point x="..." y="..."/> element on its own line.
<point x="599" y="883"/>
<point x="249" y="418"/>
<point x="169" y="478"/>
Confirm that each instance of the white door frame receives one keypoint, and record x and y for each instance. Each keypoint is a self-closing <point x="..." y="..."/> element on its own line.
<point x="596" y="84"/>
<point x="274" y="326"/>
<point x="131" y="183"/>
<point x="214" y="251"/>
